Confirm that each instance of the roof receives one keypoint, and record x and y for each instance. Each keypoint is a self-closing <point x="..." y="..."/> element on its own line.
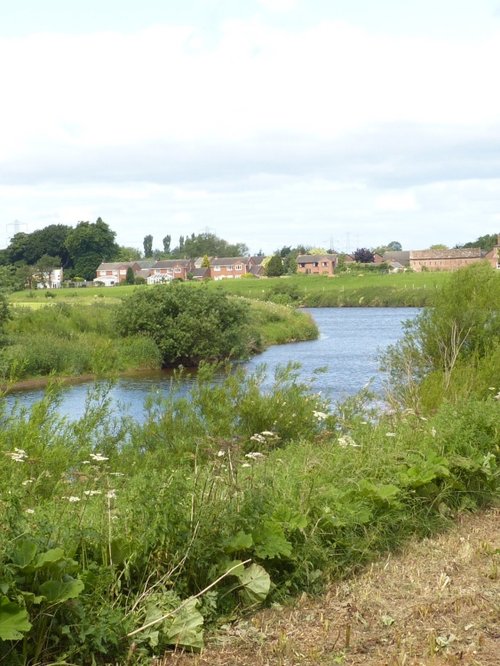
<point x="401" y="256"/>
<point x="312" y="258"/>
<point x="146" y="263"/>
<point x="116" y="265"/>
<point x="171" y="263"/>
<point x="228" y="261"/>
<point x="463" y="253"/>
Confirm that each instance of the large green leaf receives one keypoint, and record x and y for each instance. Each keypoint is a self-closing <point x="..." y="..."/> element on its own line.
<point x="49" y="557"/>
<point x="255" y="582"/>
<point x="57" y="591"/>
<point x="240" y="541"/>
<point x="270" y="541"/>
<point x="24" y="553"/>
<point x="186" y="628"/>
<point x="13" y="620"/>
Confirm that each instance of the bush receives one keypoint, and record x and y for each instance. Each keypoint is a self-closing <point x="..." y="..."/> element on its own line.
<point x="188" y="325"/>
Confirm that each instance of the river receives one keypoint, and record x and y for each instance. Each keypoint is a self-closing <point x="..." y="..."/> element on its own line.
<point x="348" y="348"/>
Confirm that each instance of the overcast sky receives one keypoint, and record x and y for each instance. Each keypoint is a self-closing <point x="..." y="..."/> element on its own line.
<point x="270" y="122"/>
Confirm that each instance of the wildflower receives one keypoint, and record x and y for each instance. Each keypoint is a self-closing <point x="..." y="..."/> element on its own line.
<point x="246" y="465"/>
<point x="27" y="482"/>
<point x="422" y="418"/>
<point x="98" y="457"/>
<point x="17" y="455"/>
<point x="492" y="388"/>
<point x="91" y="493"/>
<point x="86" y="462"/>
<point x="258" y="438"/>
<point x="254" y="455"/>
<point x="221" y="453"/>
<point x="433" y="432"/>
<point x="346" y="440"/>
<point x="111" y="494"/>
<point x="29" y="511"/>
<point x="390" y="434"/>
<point x="321" y="416"/>
<point x="73" y="498"/>
<point x="268" y="433"/>
<point x="116" y="474"/>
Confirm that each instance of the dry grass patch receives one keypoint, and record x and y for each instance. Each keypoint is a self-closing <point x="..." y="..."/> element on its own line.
<point x="436" y="603"/>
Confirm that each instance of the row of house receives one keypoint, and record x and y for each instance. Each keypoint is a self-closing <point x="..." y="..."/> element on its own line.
<point x="165" y="270"/>
<point x="416" y="260"/>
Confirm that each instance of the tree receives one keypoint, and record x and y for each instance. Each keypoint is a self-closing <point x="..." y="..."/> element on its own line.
<point x="127" y="254"/>
<point x="148" y="246"/>
<point x="274" y="267"/>
<point x="363" y="255"/>
<point x="486" y="242"/>
<point x="166" y="243"/>
<point x="197" y="245"/>
<point x="44" y="267"/>
<point x="50" y="241"/>
<point x="206" y="262"/>
<point x="188" y="325"/>
<point x="89" y="244"/>
<point x="438" y="246"/>
<point x="130" y="277"/>
<point x="394" y="246"/>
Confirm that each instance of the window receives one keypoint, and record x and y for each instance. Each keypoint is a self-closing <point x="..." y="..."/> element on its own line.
<point x="216" y="268"/>
<point x="238" y="267"/>
<point x="177" y="270"/>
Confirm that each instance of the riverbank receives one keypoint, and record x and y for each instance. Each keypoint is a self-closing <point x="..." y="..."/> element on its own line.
<point x="76" y="342"/>
<point x="434" y="603"/>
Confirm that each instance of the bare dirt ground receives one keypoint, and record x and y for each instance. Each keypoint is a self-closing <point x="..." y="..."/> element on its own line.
<point x="436" y="603"/>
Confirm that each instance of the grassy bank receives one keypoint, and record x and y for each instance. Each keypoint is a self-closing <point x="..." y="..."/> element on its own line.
<point x="120" y="540"/>
<point x="344" y="290"/>
<point x="77" y="339"/>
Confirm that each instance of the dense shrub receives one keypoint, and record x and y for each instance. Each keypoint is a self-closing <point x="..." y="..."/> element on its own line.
<point x="188" y="325"/>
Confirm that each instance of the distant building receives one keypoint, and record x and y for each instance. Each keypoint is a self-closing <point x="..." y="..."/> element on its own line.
<point x="316" y="264"/>
<point x="51" y="279"/>
<point x="112" y="273"/>
<point x="450" y="260"/>
<point x="224" y="268"/>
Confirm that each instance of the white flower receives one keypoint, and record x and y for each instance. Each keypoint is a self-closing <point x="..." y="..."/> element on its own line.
<point x="27" y="482"/>
<point x="346" y="440"/>
<point x="29" y="511"/>
<point x="258" y="438"/>
<point x="422" y="418"/>
<point x="254" y="455"/>
<point x="91" y="493"/>
<point x="268" y="433"/>
<point x="73" y="499"/>
<point x="17" y="455"/>
<point x="492" y="388"/>
<point x="86" y="462"/>
<point x="116" y="474"/>
<point x="98" y="457"/>
<point x="390" y="434"/>
<point x="111" y="494"/>
<point x="221" y="453"/>
<point x="321" y="416"/>
<point x="246" y="465"/>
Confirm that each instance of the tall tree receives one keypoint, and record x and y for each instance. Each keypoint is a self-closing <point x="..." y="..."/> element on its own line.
<point x="166" y="243"/>
<point x="88" y="245"/>
<point x="363" y="255"/>
<point x="486" y="242"/>
<point x="148" y="246"/>
<point x="274" y="266"/>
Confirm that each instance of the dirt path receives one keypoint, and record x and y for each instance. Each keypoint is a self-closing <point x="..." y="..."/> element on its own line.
<point x="436" y="603"/>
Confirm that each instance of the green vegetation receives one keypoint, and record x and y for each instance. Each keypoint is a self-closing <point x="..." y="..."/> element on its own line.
<point x="121" y="539"/>
<point x="82" y="336"/>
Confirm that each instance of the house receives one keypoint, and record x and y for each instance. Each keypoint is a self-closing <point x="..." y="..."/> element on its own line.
<point x="224" y="268"/>
<point x="51" y="279"/>
<point x="166" y="270"/>
<point x="316" y="264"/>
<point x="111" y="273"/>
<point x="401" y="257"/>
<point x="445" y="260"/>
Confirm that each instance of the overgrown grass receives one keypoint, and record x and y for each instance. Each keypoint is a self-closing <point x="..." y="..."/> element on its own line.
<point x="111" y="528"/>
<point x="76" y="339"/>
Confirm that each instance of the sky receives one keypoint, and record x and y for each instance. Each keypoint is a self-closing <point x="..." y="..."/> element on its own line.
<point x="328" y="123"/>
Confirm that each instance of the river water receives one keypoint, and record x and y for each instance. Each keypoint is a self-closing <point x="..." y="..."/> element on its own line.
<point x="348" y="348"/>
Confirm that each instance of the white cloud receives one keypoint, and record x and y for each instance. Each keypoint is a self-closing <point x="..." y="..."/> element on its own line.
<point x="396" y="202"/>
<point x="278" y="5"/>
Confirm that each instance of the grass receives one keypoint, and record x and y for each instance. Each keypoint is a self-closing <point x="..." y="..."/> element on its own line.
<point x="369" y="289"/>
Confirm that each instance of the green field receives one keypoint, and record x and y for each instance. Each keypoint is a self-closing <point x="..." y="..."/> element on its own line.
<point x="364" y="289"/>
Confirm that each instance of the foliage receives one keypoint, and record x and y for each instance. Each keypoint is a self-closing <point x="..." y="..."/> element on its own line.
<point x="148" y="246"/>
<point x="461" y="330"/>
<point x="197" y="245"/>
<point x="51" y="240"/>
<point x="274" y="267"/>
<point x="363" y="255"/>
<point x="188" y="325"/>
<point x="88" y="245"/>
<point x="130" y="277"/>
<point x="486" y="242"/>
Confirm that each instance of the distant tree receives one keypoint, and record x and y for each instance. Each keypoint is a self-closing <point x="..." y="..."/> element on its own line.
<point x="148" y="246"/>
<point x="197" y="245"/>
<point x="317" y="250"/>
<point x="363" y="256"/>
<point x="166" y="243"/>
<point x="274" y="267"/>
<point x="130" y="277"/>
<point x="88" y="245"/>
<point x="290" y="264"/>
<point x="44" y="267"/>
<point x="181" y="243"/>
<point x="50" y="241"/>
<point x="127" y="254"/>
<point x="25" y="276"/>
<point x="438" y="246"/>
<point x="206" y="262"/>
<point x="486" y="242"/>
<point x="394" y="246"/>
